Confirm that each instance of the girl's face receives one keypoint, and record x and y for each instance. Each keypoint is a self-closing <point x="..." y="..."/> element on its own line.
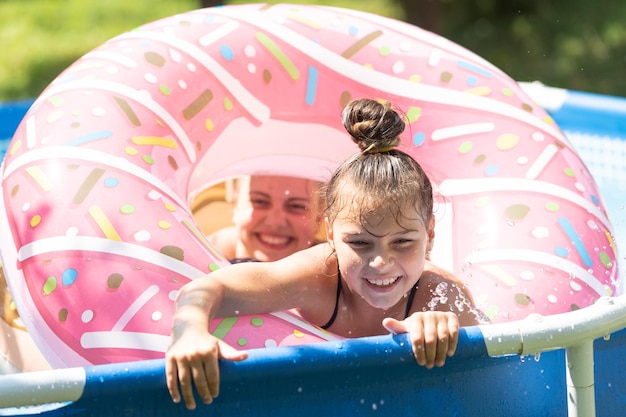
<point x="381" y="255"/>
<point x="275" y="216"/>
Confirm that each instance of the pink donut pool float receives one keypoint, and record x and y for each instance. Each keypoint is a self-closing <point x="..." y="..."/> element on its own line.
<point x="99" y="177"/>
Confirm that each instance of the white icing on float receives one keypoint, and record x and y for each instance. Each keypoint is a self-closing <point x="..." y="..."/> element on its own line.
<point x="99" y="178"/>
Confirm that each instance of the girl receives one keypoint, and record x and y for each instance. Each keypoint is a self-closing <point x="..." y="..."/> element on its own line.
<point x="371" y="277"/>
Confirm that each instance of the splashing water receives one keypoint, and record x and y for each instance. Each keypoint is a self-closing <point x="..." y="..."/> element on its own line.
<point x="440" y="296"/>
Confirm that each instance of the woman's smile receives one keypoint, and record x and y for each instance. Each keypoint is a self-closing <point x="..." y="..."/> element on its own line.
<point x="273" y="240"/>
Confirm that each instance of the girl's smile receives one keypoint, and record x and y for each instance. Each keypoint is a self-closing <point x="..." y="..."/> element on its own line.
<point x="383" y="283"/>
<point x="381" y="255"/>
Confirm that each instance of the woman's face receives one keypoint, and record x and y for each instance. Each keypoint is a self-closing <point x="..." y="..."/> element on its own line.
<point x="381" y="255"/>
<point x="275" y="216"/>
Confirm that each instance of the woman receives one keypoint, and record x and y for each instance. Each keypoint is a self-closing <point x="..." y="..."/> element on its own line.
<point x="274" y="216"/>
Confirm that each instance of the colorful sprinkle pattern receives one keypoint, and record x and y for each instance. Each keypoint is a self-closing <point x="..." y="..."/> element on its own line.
<point x="98" y="177"/>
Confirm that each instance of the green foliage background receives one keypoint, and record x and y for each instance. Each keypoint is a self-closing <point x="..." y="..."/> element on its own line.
<point x="576" y="44"/>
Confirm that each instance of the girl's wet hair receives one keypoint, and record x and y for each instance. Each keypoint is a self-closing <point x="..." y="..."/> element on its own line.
<point x="379" y="176"/>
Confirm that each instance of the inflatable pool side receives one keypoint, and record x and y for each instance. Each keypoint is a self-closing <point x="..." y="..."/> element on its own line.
<point x="578" y="111"/>
<point x="370" y="376"/>
<point x="571" y="363"/>
<point x="11" y="113"/>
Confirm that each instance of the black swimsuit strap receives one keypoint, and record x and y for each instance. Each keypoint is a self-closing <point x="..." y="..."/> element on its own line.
<point x="409" y="300"/>
<point x="407" y="310"/>
<point x="242" y="260"/>
<point x="334" y="316"/>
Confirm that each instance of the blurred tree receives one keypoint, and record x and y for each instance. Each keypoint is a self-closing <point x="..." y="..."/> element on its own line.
<point x="210" y="3"/>
<point x="422" y="13"/>
<point x="573" y="44"/>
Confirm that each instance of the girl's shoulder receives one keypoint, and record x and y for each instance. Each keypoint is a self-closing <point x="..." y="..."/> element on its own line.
<point x="434" y="274"/>
<point x="319" y="258"/>
<point x="311" y="277"/>
<point x="443" y="285"/>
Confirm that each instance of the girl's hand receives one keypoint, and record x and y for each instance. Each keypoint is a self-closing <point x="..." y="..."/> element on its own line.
<point x="192" y="359"/>
<point x="434" y="335"/>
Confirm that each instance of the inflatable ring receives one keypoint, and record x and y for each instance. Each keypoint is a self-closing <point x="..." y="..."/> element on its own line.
<point x="99" y="178"/>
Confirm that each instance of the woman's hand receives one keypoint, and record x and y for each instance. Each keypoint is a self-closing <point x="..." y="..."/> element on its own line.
<point x="192" y="359"/>
<point x="434" y="335"/>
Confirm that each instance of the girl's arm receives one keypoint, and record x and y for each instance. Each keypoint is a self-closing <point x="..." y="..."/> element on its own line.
<point x="434" y="335"/>
<point x="247" y="288"/>
<point x="442" y="305"/>
<point x="192" y="357"/>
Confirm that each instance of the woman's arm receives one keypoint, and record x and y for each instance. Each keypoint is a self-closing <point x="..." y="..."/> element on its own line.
<point x="225" y="241"/>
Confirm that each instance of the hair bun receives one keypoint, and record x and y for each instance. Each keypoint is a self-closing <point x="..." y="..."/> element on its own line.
<point x="375" y="126"/>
